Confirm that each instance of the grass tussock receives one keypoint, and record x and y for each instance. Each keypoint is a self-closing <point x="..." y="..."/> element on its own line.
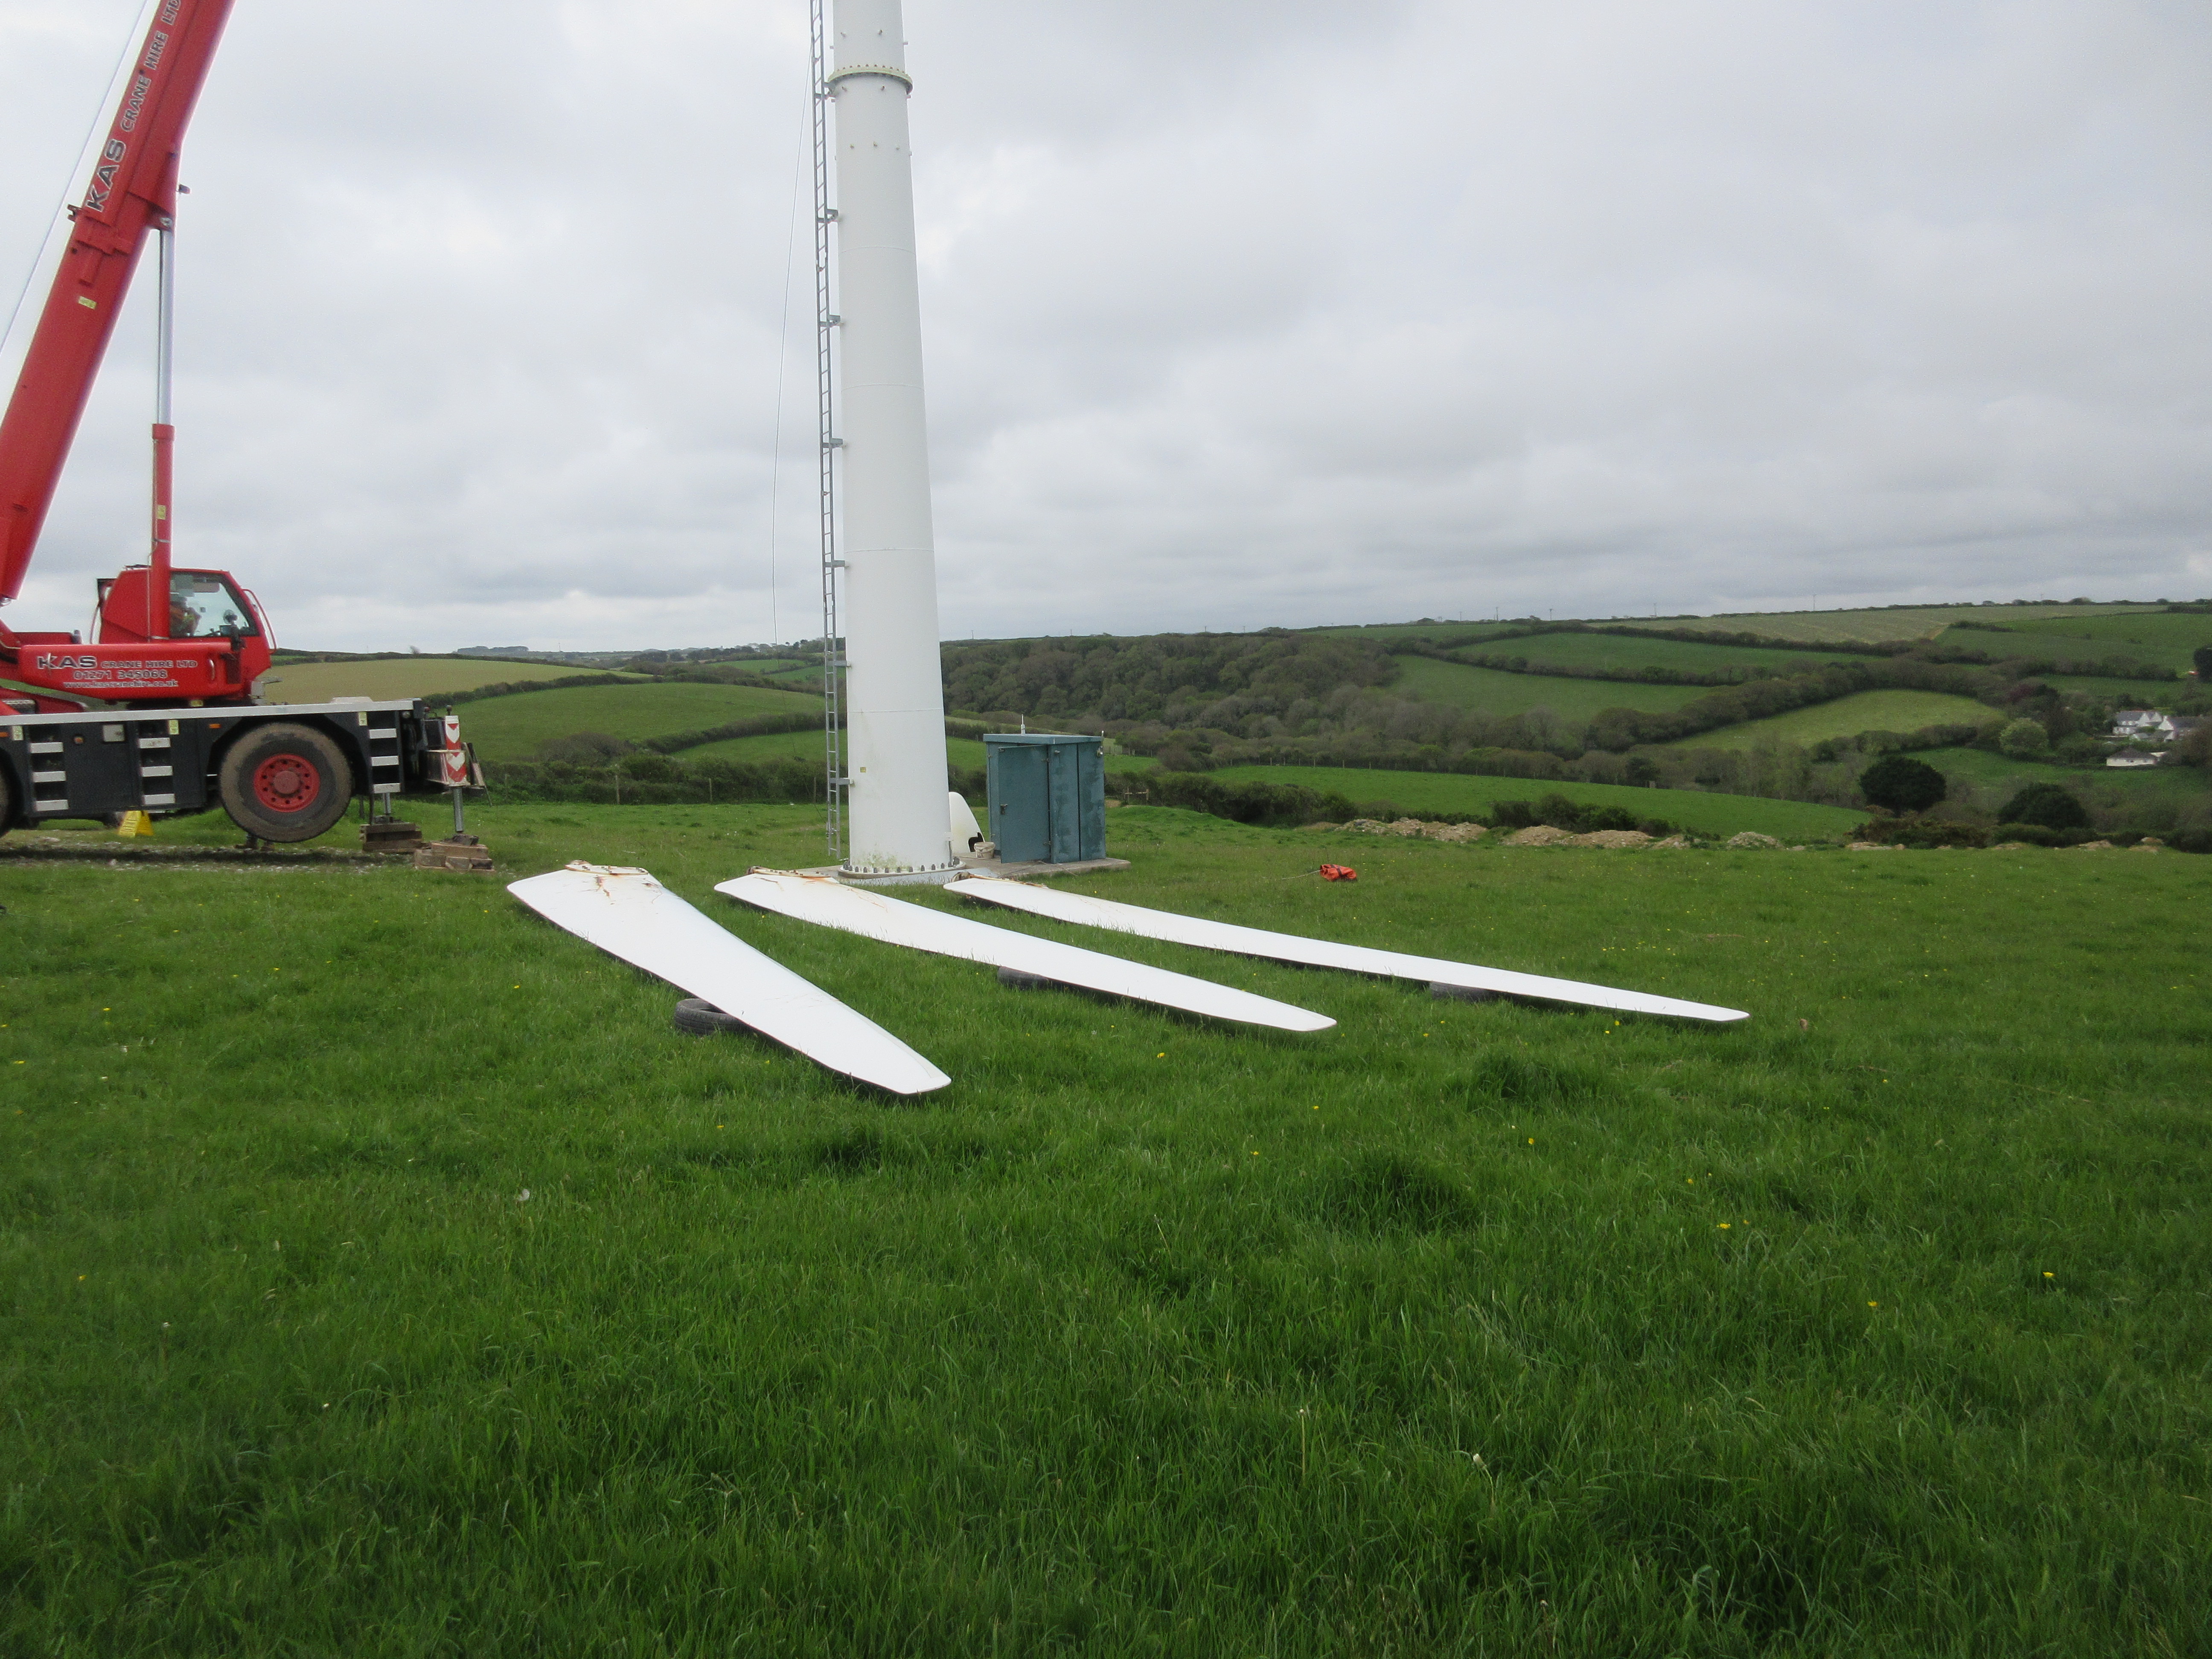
<point x="1386" y="1192"/>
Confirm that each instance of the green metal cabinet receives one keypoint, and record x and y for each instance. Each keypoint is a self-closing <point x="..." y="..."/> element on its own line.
<point x="1048" y="794"/>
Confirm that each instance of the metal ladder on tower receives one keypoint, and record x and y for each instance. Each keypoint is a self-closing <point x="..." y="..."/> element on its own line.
<point x="825" y="320"/>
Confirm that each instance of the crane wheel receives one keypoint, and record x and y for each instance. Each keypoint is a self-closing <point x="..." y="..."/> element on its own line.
<point x="7" y="801"/>
<point x="284" y="783"/>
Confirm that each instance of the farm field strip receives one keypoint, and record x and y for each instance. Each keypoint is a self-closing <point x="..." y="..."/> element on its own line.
<point x="1880" y="626"/>
<point x="1620" y="651"/>
<point x="2167" y="638"/>
<point x="1497" y="691"/>
<point x="512" y="727"/>
<point x="401" y="676"/>
<point x="1846" y="717"/>
<point x="2148" y="694"/>
<point x="1384" y="633"/>
<point x="1999" y="776"/>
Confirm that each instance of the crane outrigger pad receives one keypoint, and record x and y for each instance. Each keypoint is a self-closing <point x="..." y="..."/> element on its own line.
<point x="627" y="914"/>
<point x="1206" y="935"/>
<point x="874" y="916"/>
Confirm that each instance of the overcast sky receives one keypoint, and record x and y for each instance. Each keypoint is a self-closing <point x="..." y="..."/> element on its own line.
<point x="1237" y="314"/>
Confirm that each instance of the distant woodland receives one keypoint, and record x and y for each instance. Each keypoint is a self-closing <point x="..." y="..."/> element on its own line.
<point x="1199" y="702"/>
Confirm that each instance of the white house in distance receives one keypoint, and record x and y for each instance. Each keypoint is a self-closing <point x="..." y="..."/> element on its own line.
<point x="2148" y="724"/>
<point x="2141" y="723"/>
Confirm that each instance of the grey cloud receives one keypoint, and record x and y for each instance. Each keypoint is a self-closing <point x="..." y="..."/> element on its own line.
<point x="1235" y="315"/>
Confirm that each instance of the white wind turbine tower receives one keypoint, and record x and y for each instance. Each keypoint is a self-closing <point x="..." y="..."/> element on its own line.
<point x="893" y="697"/>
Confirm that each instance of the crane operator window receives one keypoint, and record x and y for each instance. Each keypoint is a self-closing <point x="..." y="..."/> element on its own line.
<point x="207" y="608"/>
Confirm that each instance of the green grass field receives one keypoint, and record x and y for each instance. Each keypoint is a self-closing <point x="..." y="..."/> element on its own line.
<point x="2160" y="637"/>
<point x="2141" y="694"/>
<point x="1874" y="627"/>
<point x="1618" y="651"/>
<point x="399" y="676"/>
<point x="768" y="746"/>
<point x="1997" y="778"/>
<point x="467" y="1309"/>
<point x="512" y="728"/>
<point x="1450" y="792"/>
<point x="1495" y="691"/>
<point x="1846" y="717"/>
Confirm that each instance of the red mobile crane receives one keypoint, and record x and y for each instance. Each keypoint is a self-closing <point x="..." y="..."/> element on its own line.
<point x="158" y="710"/>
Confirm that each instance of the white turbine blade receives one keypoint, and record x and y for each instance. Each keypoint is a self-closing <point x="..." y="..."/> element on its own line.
<point x="873" y="916"/>
<point x="1318" y="952"/>
<point x="627" y="914"/>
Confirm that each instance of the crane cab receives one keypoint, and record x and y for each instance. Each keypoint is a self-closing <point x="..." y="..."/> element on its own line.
<point x="202" y="605"/>
<point x="205" y="641"/>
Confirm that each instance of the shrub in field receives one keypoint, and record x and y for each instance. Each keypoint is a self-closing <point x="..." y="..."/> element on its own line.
<point x="2050" y="805"/>
<point x="2201" y="660"/>
<point x="2036" y="835"/>
<point x="585" y="749"/>
<point x="703" y="782"/>
<point x="510" y="687"/>
<point x="2024" y="739"/>
<point x="2192" y="829"/>
<point x="1276" y="803"/>
<point x="1924" y="833"/>
<point x="1580" y="817"/>
<point x="1901" y="784"/>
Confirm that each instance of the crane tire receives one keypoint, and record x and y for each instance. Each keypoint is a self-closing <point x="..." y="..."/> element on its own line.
<point x="7" y="800"/>
<point x="284" y="783"/>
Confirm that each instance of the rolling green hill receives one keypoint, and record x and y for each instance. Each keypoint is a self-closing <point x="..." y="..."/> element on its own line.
<point x="1495" y="691"/>
<point x="400" y="676"/>
<point x="1846" y="717"/>
<point x="512" y="728"/>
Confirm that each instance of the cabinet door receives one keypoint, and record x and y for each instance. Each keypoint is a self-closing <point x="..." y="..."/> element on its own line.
<point x="1021" y="820"/>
